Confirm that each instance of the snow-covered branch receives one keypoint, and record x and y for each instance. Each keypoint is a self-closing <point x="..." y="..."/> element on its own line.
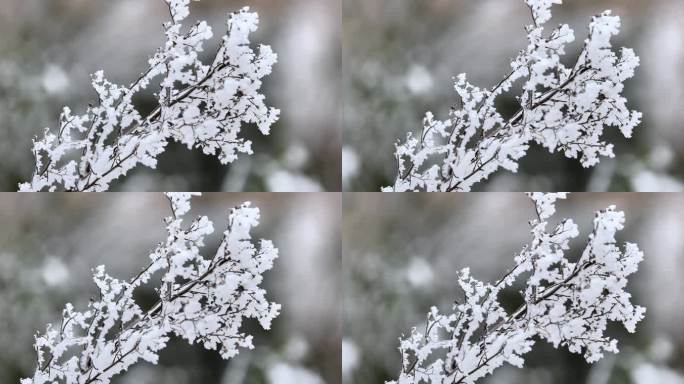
<point x="564" y="109"/>
<point x="200" y="105"/>
<point x="566" y="303"/>
<point x="203" y="300"/>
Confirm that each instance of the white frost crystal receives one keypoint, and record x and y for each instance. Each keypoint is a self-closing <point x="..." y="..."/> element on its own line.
<point x="202" y="300"/>
<point x="568" y="304"/>
<point x="200" y="105"/>
<point x="564" y="109"/>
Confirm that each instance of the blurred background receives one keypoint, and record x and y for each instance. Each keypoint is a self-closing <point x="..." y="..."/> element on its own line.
<point x="50" y="48"/>
<point x="401" y="254"/>
<point x="50" y="243"/>
<point x="400" y="57"/>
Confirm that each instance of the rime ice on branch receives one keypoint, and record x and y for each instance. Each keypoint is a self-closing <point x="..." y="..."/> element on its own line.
<point x="202" y="300"/>
<point x="200" y="105"/>
<point x="568" y="304"/>
<point x="564" y="109"/>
